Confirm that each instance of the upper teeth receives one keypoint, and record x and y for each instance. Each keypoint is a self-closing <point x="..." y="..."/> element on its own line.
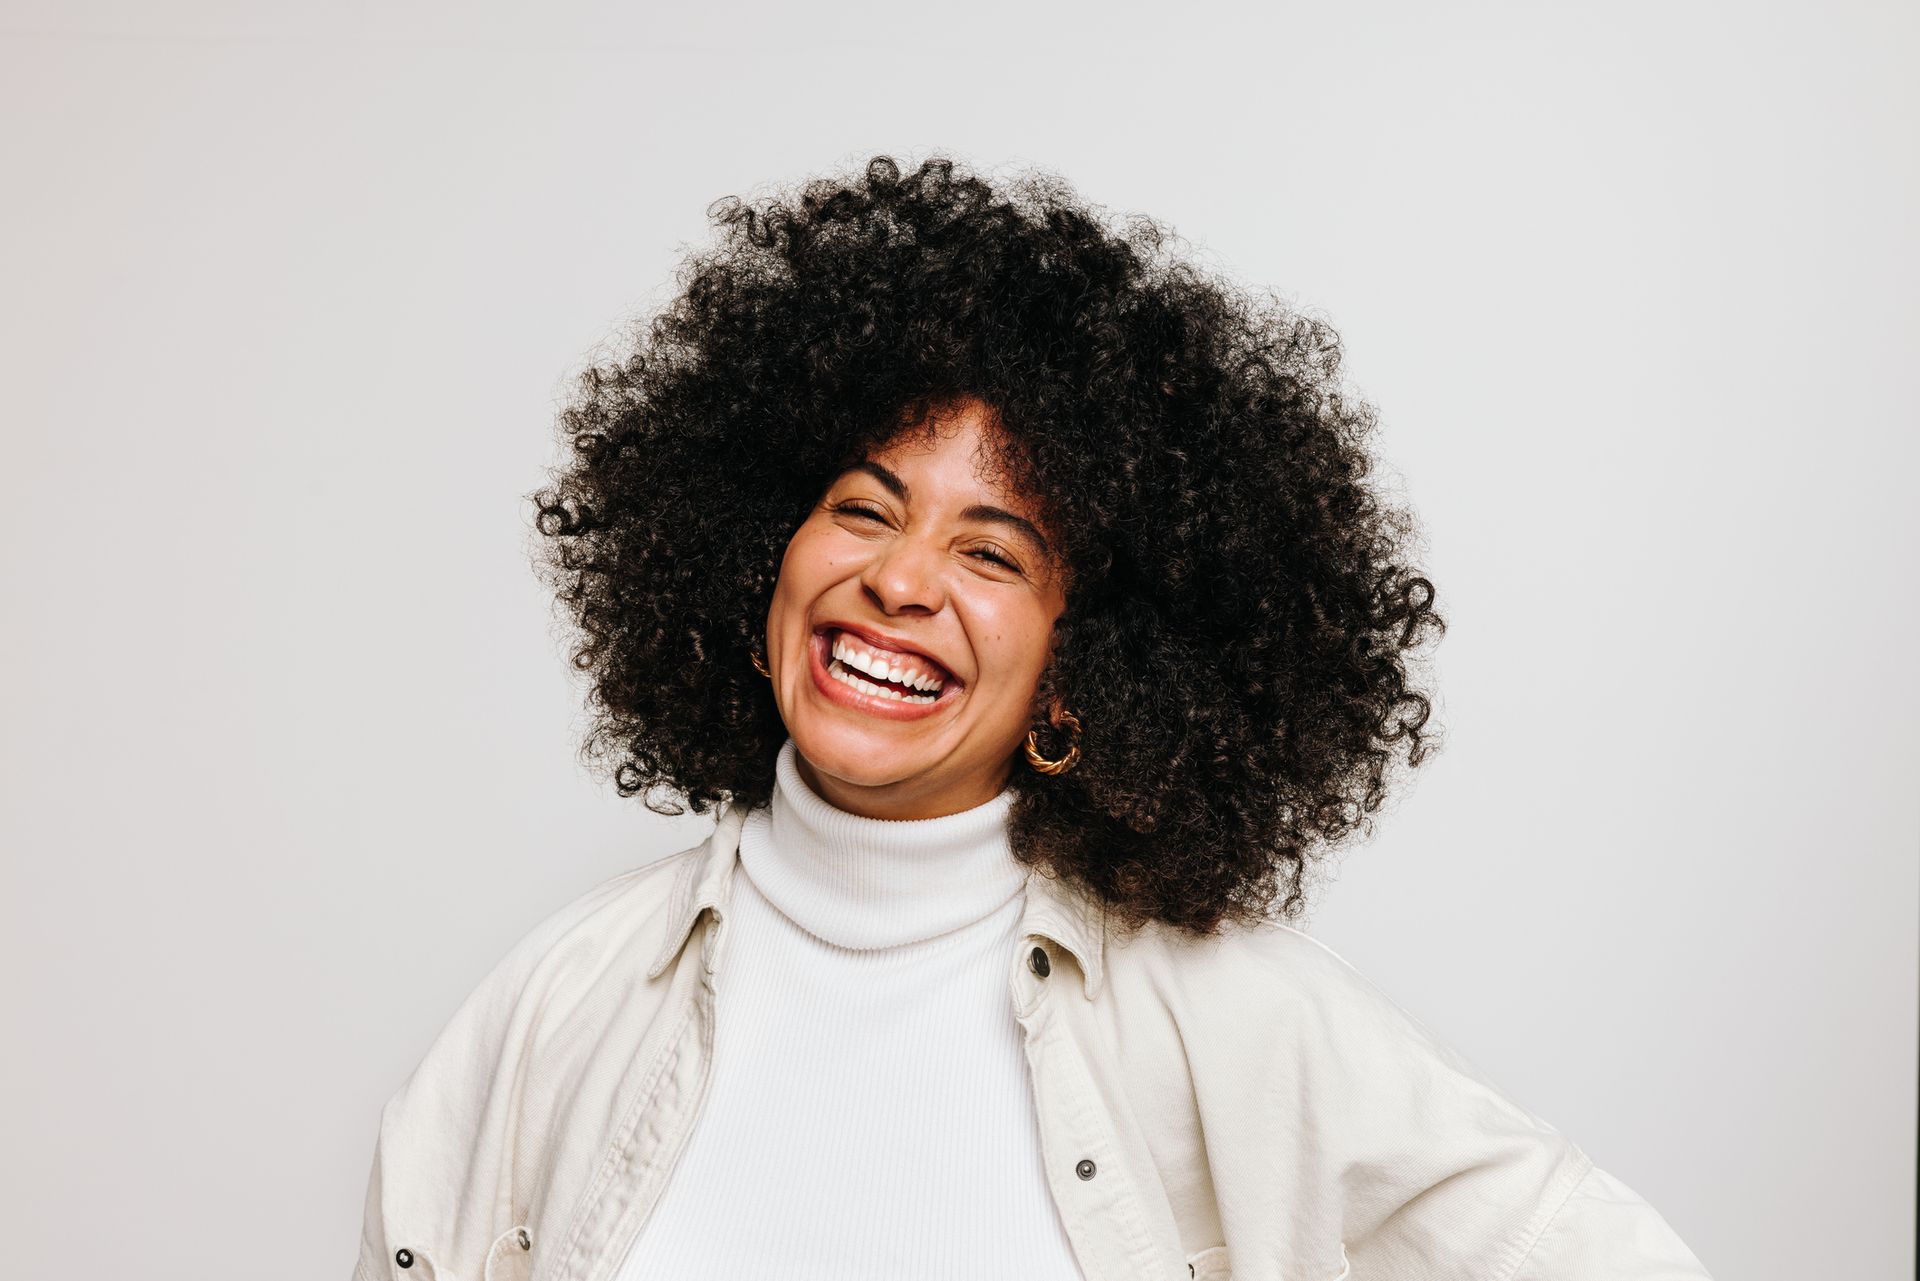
<point x="899" y="669"/>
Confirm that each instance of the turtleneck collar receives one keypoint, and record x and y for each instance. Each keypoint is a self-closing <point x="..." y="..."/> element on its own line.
<point x="874" y="882"/>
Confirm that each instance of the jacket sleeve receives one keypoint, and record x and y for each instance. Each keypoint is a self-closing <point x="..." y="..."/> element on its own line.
<point x="1425" y="1164"/>
<point x="1605" y="1230"/>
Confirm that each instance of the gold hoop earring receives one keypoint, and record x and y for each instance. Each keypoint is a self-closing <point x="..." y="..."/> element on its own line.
<point x="1065" y="763"/>
<point x="759" y="664"/>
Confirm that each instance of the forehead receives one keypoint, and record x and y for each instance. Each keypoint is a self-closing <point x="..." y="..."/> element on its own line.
<point x="965" y="443"/>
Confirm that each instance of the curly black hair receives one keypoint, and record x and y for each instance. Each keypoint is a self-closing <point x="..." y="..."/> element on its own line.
<point x="1240" y="617"/>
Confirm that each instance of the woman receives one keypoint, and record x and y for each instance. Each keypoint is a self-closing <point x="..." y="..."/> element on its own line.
<point x="1012" y="593"/>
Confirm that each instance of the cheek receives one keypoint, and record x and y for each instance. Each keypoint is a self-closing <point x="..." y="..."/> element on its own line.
<point x="817" y="562"/>
<point x="1016" y="643"/>
<point x="807" y="566"/>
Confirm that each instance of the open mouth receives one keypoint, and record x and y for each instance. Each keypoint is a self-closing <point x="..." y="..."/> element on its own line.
<point x="911" y="680"/>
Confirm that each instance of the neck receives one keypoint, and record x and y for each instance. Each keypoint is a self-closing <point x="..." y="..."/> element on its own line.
<point x="865" y="882"/>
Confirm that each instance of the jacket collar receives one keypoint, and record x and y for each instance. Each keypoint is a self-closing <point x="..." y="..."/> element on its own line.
<point x="1056" y="909"/>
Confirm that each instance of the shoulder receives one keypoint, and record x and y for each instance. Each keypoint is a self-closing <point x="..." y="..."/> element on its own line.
<point x="445" y="1114"/>
<point x="1267" y="989"/>
<point x="623" y="916"/>
<point x="1265" y="968"/>
<point x="488" y="1095"/>
<point x="612" y="928"/>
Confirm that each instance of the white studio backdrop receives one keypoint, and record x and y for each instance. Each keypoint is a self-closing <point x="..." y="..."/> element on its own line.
<point x="288" y="732"/>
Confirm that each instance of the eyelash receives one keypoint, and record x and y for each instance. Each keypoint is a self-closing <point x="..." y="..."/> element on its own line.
<point x="856" y="509"/>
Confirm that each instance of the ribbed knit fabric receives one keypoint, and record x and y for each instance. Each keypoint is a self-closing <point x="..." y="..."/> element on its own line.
<point x="869" y="1113"/>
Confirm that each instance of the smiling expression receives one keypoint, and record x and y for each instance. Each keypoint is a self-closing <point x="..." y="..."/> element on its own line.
<point x="910" y="626"/>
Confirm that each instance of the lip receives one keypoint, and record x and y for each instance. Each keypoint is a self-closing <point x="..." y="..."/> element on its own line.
<point x="837" y="691"/>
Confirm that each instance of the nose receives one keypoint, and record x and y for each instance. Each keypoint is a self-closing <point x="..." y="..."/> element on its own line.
<point x="905" y="577"/>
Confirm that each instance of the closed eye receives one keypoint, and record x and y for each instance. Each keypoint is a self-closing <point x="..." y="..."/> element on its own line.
<point x="857" y="509"/>
<point x="998" y="560"/>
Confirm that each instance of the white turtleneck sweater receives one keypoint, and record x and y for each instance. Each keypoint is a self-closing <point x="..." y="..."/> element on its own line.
<point x="869" y="1114"/>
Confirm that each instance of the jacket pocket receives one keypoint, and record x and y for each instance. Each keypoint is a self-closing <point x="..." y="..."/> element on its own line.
<point x="1209" y="1265"/>
<point x="510" y="1258"/>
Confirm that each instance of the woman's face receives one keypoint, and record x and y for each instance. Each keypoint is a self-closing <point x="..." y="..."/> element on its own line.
<point x="915" y="560"/>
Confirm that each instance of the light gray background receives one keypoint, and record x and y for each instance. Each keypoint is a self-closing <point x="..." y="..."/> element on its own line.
<point x="289" y="297"/>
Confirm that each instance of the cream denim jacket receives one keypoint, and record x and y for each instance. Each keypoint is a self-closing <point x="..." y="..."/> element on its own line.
<point x="1246" y="1106"/>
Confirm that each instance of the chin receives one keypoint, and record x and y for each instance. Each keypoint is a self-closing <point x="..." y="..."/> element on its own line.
<point x="862" y="757"/>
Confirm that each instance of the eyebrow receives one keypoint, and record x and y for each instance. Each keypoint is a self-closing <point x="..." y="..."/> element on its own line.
<point x="978" y="511"/>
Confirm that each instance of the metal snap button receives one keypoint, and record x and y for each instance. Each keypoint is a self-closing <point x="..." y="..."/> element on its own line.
<point x="404" y="1258"/>
<point x="1084" y="1169"/>
<point x="526" y="1242"/>
<point x="1038" y="963"/>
